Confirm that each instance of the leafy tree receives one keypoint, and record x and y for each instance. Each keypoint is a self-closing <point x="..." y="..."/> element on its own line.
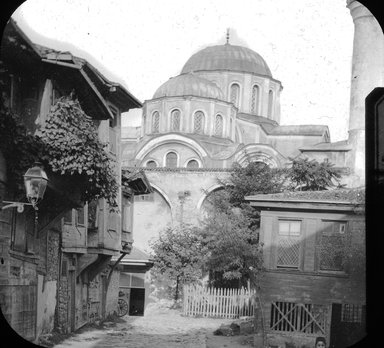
<point x="310" y="175"/>
<point x="178" y="256"/>
<point x="255" y="178"/>
<point x="230" y="228"/>
<point x="234" y="252"/>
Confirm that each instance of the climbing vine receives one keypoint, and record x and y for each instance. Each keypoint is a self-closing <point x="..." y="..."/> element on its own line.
<point x="19" y="148"/>
<point x="74" y="149"/>
<point x="67" y="144"/>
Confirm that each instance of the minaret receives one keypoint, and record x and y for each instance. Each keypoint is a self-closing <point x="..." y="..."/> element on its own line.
<point x="367" y="73"/>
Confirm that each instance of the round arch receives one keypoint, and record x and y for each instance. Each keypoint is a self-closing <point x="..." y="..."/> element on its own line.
<point x="160" y="140"/>
<point x="206" y="194"/>
<point x="259" y="153"/>
<point x="164" y="196"/>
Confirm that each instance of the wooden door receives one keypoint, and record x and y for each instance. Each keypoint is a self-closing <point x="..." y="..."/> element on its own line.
<point x="347" y="325"/>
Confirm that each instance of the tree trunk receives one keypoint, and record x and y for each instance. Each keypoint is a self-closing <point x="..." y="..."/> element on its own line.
<point x="177" y="289"/>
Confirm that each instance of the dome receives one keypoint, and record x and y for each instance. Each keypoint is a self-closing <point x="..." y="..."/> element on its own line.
<point x="227" y="57"/>
<point x="189" y="84"/>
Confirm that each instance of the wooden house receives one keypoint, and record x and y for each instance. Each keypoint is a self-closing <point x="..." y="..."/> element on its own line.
<point x="314" y="258"/>
<point x="56" y="276"/>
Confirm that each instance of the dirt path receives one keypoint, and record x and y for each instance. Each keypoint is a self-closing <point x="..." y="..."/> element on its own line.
<point x="159" y="328"/>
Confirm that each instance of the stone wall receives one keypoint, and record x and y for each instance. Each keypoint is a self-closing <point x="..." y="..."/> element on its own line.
<point x="179" y="196"/>
<point x="112" y="293"/>
<point x="63" y="301"/>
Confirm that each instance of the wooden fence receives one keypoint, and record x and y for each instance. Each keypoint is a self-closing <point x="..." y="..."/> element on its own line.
<point x="218" y="303"/>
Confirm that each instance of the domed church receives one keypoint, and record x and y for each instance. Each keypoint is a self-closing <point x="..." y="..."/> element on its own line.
<point x="223" y="107"/>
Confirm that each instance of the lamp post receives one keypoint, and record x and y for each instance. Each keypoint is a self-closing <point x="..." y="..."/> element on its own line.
<point x="35" y="181"/>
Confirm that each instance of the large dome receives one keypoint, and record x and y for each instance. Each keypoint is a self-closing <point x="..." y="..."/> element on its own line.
<point x="189" y="84"/>
<point x="227" y="57"/>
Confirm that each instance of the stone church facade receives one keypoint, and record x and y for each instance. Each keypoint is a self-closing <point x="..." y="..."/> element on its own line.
<point x="223" y="107"/>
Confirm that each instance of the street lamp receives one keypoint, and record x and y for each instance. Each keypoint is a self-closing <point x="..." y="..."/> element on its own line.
<point x="35" y="181"/>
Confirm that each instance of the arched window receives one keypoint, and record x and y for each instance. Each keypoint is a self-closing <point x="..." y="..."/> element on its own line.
<point x="171" y="160"/>
<point x="155" y="122"/>
<point x="270" y="103"/>
<point x="151" y="164"/>
<point x="175" y="120"/>
<point x="198" y="122"/>
<point x="144" y="121"/>
<point x="255" y="99"/>
<point x="193" y="164"/>
<point x="235" y="94"/>
<point x="219" y="126"/>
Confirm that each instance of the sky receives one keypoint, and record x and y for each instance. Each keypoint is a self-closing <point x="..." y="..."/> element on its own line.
<point x="307" y="45"/>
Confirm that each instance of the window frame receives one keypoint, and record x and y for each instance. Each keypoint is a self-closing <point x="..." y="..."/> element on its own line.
<point x="255" y="105"/>
<point x="193" y="159"/>
<point x="171" y="119"/>
<point x="177" y="158"/>
<point x="238" y="99"/>
<point x="155" y="120"/>
<point x="300" y="245"/>
<point x="151" y="160"/>
<point x="345" y="240"/>
<point x="215" y="133"/>
<point x="271" y="102"/>
<point x="202" y="122"/>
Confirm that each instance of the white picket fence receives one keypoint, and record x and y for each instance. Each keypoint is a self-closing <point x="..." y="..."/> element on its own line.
<point x="218" y="303"/>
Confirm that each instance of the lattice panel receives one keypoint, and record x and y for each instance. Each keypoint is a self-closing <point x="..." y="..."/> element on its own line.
<point x="235" y="89"/>
<point x="219" y="126"/>
<point x="351" y="313"/>
<point x="331" y="253"/>
<point x="199" y="122"/>
<point x="176" y="120"/>
<point x="288" y="252"/>
<point x="255" y="98"/>
<point x="298" y="317"/>
<point x="155" y="122"/>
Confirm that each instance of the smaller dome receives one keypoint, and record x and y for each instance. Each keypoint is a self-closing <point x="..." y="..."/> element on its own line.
<point x="189" y="84"/>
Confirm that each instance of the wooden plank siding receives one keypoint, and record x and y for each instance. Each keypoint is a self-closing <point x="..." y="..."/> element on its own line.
<point x="308" y="285"/>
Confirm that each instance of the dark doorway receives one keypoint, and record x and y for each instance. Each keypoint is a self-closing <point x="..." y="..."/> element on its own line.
<point x="347" y="325"/>
<point x="136" y="302"/>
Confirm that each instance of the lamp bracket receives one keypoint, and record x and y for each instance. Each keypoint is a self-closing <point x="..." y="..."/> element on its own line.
<point x="18" y="205"/>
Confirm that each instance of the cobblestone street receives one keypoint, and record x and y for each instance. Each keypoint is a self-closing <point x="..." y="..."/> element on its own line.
<point x="160" y="328"/>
